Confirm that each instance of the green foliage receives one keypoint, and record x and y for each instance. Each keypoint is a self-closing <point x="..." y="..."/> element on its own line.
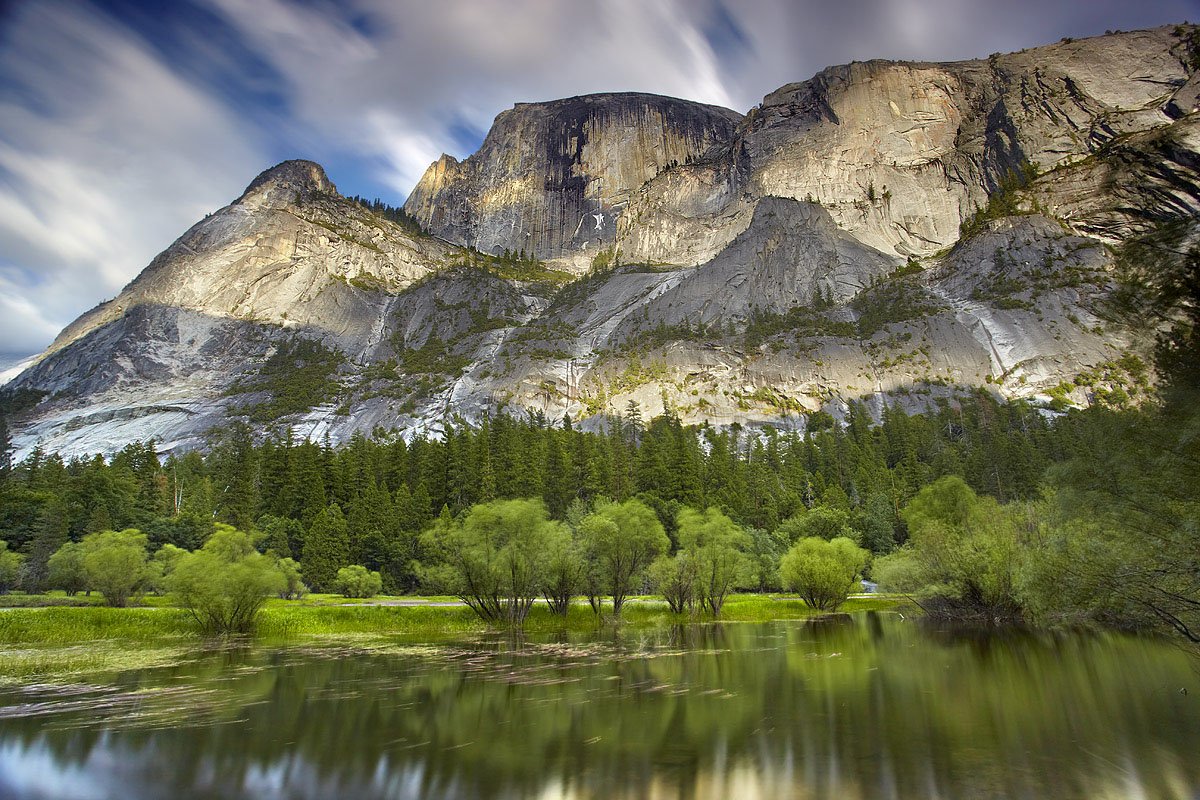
<point x="281" y="536"/>
<point x="1003" y="201"/>
<point x="391" y="213"/>
<point x="969" y="549"/>
<point x="606" y="259"/>
<point x="391" y="488"/>
<point x="899" y="571"/>
<point x="823" y="522"/>
<point x="17" y="401"/>
<point x="65" y="569"/>
<point x="511" y="266"/>
<point x="716" y="545"/>
<point x="299" y="375"/>
<point x="877" y="522"/>
<point x="115" y="563"/>
<point x="293" y="582"/>
<point x="357" y="581"/>
<point x="563" y="571"/>
<point x="1189" y="36"/>
<point x="433" y="357"/>
<point x="765" y="551"/>
<point x="495" y="558"/>
<point x="10" y="567"/>
<point x="1121" y="544"/>
<point x="326" y="548"/>
<point x="889" y="303"/>
<point x="677" y="579"/>
<point x="800" y="322"/>
<point x="823" y="572"/>
<point x="163" y="563"/>
<point x="225" y="583"/>
<point x="622" y="539"/>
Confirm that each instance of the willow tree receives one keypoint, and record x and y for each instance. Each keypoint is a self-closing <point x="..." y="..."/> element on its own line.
<point x="717" y="546"/>
<point x="224" y="584"/>
<point x="822" y="572"/>
<point x="497" y="557"/>
<point x="621" y="540"/>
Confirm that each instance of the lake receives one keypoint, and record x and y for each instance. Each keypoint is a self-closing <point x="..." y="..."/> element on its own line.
<point x="869" y="706"/>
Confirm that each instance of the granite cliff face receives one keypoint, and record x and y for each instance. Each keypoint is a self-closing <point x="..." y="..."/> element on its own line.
<point x="552" y="178"/>
<point x="887" y="231"/>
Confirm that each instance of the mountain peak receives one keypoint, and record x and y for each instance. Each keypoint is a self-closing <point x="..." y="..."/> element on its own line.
<point x="289" y="181"/>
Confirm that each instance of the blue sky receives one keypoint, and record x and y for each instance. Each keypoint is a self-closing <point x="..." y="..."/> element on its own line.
<point x="122" y="122"/>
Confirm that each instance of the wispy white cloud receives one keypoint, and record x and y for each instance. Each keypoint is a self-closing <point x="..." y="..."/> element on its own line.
<point x="426" y="66"/>
<point x="105" y="156"/>
<point x="24" y="327"/>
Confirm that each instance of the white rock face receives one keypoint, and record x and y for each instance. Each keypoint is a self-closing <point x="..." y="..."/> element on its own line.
<point x="289" y="252"/>
<point x="759" y="267"/>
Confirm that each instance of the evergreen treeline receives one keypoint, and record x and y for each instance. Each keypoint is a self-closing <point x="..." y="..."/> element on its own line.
<point x="394" y="214"/>
<point x="367" y="502"/>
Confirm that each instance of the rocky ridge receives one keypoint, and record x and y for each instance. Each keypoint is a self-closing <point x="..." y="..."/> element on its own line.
<point x="890" y="231"/>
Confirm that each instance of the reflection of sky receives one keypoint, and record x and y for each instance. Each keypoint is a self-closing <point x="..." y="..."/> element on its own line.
<point x="35" y="773"/>
<point x="863" y="707"/>
<point x="122" y="122"/>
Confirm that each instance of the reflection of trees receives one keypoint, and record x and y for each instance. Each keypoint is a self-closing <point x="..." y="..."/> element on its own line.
<point x="850" y="707"/>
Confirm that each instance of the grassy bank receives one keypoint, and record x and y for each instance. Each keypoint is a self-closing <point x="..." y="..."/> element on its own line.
<point x="55" y="642"/>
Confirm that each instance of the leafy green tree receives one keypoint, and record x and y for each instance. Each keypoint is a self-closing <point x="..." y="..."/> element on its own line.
<point x="52" y="533"/>
<point x="823" y="522"/>
<point x="563" y="574"/>
<point x="224" y="584"/>
<point x="357" y="581"/>
<point x="969" y="548"/>
<point x="1121" y="542"/>
<point x="65" y="569"/>
<point x="163" y="563"/>
<point x="116" y="564"/>
<point x="717" y="546"/>
<point x="10" y="568"/>
<point x="622" y="539"/>
<point x="676" y="578"/>
<point x="899" y="571"/>
<point x="326" y="548"/>
<point x="765" y="551"/>
<point x="293" y="583"/>
<point x="495" y="557"/>
<point x="823" y="573"/>
<point x="1123" y="539"/>
<point x="878" y="524"/>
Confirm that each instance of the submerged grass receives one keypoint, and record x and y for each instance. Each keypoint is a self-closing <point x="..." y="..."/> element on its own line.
<point x="281" y="620"/>
<point x="57" y="643"/>
<point x="54" y="643"/>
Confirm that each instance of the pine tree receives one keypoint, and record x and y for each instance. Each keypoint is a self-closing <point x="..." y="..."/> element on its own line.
<point x="326" y="549"/>
<point x="5" y="449"/>
<point x="558" y="490"/>
<point x="53" y="533"/>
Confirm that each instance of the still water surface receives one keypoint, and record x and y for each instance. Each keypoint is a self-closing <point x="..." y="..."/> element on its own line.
<point x="864" y="707"/>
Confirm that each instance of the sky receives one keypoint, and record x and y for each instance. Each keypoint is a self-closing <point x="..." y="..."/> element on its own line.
<point x="123" y="122"/>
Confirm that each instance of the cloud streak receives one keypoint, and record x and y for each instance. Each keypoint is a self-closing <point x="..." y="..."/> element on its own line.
<point x="106" y="156"/>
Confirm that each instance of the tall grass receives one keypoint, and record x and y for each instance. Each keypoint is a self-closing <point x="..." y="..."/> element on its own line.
<point x="293" y="620"/>
<point x="76" y="625"/>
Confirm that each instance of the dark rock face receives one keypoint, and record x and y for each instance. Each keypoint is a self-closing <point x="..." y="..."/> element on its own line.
<point x="551" y="178"/>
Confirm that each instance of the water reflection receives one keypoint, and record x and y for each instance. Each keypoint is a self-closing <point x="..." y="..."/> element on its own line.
<point x="863" y="707"/>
